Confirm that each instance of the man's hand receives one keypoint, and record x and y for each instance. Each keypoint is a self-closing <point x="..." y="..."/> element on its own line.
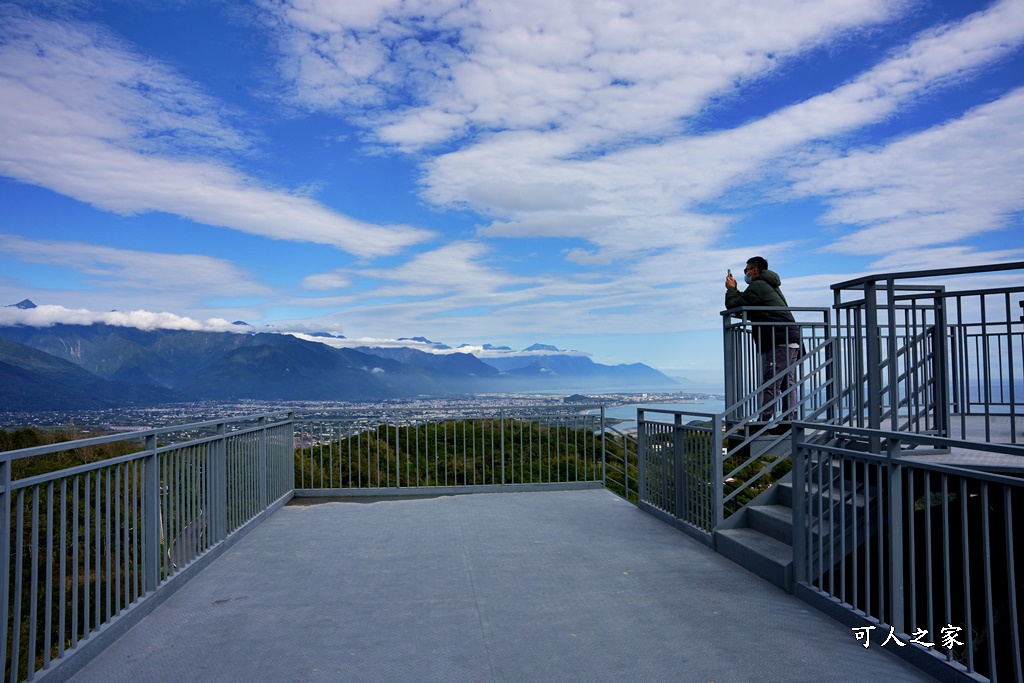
<point x="730" y="281"/>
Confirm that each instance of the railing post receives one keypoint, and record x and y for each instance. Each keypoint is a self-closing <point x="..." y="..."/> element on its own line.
<point x="151" y="502"/>
<point x="895" y="522"/>
<point x="679" y="475"/>
<point x="5" y="553"/>
<point x="219" y="486"/>
<point x="732" y="391"/>
<point x="641" y="456"/>
<point x="718" y="461"/>
<point x="287" y="463"/>
<point x="799" y="505"/>
<point x="832" y="376"/>
<point x="604" y="462"/>
<point x="943" y="383"/>
<point x="873" y="341"/>
<point x="501" y="431"/>
<point x="261" y="451"/>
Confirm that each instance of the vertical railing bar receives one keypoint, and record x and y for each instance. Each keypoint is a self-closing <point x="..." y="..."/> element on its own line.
<point x="359" y="455"/>
<point x="5" y="559"/>
<point x="118" y="532"/>
<point x="19" y="542"/>
<point x="1015" y="635"/>
<point x="929" y="561"/>
<point x="946" y="557"/>
<point x="151" y="518"/>
<point x="967" y="574"/>
<point x="880" y="519"/>
<point x="896" y="526"/>
<point x="987" y="568"/>
<point x="33" y="584"/>
<point x="86" y="564"/>
<point x="48" y="601"/>
<point x="819" y="520"/>
<point x="912" y="545"/>
<point x="74" y="561"/>
<point x="828" y="550"/>
<point x="62" y="570"/>
<point x="107" y="558"/>
<point x="330" y="477"/>
<point x="855" y="539"/>
<point x="841" y="531"/>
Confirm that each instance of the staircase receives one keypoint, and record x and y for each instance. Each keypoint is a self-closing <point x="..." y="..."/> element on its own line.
<point x="762" y="538"/>
<point x="759" y="537"/>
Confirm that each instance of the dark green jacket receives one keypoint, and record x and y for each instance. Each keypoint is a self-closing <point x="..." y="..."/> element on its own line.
<point x="764" y="291"/>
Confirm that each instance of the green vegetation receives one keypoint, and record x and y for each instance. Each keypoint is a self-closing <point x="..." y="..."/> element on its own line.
<point x="30" y="437"/>
<point x="452" y="453"/>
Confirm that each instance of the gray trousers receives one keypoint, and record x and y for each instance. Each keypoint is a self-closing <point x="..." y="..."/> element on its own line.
<point x="780" y="374"/>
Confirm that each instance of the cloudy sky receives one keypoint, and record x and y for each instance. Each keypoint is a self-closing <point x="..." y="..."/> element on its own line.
<point x="569" y="172"/>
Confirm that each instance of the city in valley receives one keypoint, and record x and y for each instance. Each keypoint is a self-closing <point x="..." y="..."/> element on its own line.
<point x="127" y="419"/>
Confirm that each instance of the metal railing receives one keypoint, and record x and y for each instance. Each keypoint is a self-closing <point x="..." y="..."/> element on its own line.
<point x="920" y="552"/>
<point x="680" y="469"/>
<point x="95" y="543"/>
<point x="374" y="452"/>
<point x="814" y="373"/>
<point x="925" y="358"/>
<point x="91" y="543"/>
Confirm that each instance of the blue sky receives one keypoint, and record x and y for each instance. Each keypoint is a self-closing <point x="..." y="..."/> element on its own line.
<point x="574" y="173"/>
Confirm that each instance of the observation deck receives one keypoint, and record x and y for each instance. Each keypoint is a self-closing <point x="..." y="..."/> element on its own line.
<point x="537" y="586"/>
<point x="332" y="545"/>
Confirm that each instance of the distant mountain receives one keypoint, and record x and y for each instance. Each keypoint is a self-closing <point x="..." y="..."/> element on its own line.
<point x="103" y="365"/>
<point x="450" y="363"/>
<point x="424" y="340"/>
<point x="33" y="380"/>
<point x="542" y="347"/>
<point x="24" y="304"/>
<point x="485" y="347"/>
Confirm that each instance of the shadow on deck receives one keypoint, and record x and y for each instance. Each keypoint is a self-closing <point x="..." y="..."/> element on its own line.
<point x="568" y="585"/>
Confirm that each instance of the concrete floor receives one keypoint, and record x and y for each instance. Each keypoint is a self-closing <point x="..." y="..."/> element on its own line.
<point x="550" y="586"/>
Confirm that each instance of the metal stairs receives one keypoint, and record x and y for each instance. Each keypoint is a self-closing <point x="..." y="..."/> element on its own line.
<point x="760" y="538"/>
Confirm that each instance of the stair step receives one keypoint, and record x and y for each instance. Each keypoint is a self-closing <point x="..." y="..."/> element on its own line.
<point x="775" y="521"/>
<point x="786" y="493"/>
<point x="767" y="557"/>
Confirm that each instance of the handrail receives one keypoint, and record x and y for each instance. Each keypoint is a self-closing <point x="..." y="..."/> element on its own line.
<point x="916" y="548"/>
<point x="936" y="272"/>
<point x="88" y="549"/>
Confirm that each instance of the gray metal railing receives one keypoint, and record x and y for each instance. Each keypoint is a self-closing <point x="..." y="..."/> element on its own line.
<point x="680" y="469"/>
<point x="922" y="552"/>
<point x="89" y="544"/>
<point x="923" y="357"/>
<point x="374" y="452"/>
<point x="814" y="372"/>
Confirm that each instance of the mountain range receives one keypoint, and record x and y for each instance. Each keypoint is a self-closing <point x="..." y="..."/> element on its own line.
<point x="101" y="366"/>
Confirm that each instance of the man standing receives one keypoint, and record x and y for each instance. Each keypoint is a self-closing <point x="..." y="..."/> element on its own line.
<point x="777" y="342"/>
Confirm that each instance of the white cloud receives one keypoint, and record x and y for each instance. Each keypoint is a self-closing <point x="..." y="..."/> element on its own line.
<point x="116" y="270"/>
<point x="655" y="194"/>
<point x="936" y="187"/>
<point x="85" y="116"/>
<point x="48" y="315"/>
<point x="326" y="281"/>
<point x="603" y="69"/>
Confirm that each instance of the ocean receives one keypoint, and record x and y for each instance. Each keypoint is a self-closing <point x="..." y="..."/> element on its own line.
<point x="627" y="413"/>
